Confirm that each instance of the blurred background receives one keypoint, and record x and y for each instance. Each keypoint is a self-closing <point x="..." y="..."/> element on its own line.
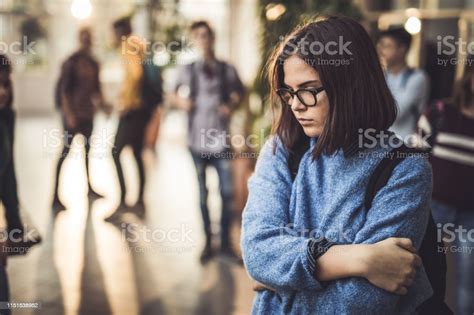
<point x="85" y="265"/>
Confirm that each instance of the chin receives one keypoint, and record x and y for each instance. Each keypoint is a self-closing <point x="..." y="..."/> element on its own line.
<point x="312" y="131"/>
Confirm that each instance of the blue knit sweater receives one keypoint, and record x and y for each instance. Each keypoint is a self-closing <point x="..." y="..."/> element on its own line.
<point x="326" y="199"/>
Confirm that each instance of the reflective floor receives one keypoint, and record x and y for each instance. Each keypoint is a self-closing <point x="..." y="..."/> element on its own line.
<point x="88" y="266"/>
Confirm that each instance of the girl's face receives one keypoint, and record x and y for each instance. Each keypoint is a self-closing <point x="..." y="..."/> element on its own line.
<point x="5" y="88"/>
<point x="298" y="74"/>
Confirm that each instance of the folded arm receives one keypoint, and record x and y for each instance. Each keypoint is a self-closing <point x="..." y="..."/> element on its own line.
<point x="272" y="255"/>
<point x="400" y="209"/>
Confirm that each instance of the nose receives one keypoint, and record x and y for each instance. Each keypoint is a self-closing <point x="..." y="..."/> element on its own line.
<point x="296" y="104"/>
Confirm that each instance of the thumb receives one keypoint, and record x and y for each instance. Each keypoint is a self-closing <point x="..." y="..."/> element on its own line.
<point x="407" y="244"/>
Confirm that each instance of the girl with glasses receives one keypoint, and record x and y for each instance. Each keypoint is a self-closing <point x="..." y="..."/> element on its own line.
<point x="307" y="239"/>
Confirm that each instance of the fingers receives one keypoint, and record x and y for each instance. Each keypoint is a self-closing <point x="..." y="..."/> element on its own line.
<point x="405" y="243"/>
<point x="257" y="286"/>
<point x="408" y="282"/>
<point x="401" y="291"/>
<point x="417" y="261"/>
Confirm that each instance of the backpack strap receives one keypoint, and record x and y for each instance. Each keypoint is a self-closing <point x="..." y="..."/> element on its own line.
<point x="406" y="75"/>
<point x="434" y="261"/>
<point x="383" y="171"/>
<point x="295" y="156"/>
<point x="193" y="81"/>
<point x="224" y="91"/>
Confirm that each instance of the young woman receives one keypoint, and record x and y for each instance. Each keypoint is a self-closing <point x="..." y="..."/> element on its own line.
<point x="310" y="243"/>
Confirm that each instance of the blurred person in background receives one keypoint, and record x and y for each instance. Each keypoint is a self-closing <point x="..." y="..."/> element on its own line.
<point x="20" y="239"/>
<point x="410" y="87"/>
<point x="210" y="89"/>
<point x="133" y="111"/>
<point x="451" y="126"/>
<point x="4" y="159"/>
<point x="78" y="95"/>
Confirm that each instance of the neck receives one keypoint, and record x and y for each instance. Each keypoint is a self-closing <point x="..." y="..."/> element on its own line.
<point x="208" y="56"/>
<point x="396" y="67"/>
<point x="84" y="50"/>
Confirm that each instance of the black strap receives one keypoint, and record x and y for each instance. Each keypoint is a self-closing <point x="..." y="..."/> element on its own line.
<point x="434" y="262"/>
<point x="193" y="81"/>
<point x="224" y="91"/>
<point x="383" y="171"/>
<point x="295" y="156"/>
<point x="406" y="75"/>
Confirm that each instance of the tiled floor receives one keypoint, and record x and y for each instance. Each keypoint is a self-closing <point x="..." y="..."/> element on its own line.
<point x="88" y="266"/>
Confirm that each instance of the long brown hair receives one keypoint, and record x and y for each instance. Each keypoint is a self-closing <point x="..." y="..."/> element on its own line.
<point x="358" y="95"/>
<point x="463" y="95"/>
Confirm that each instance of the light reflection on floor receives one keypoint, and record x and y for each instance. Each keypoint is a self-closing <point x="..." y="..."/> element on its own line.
<point x="87" y="266"/>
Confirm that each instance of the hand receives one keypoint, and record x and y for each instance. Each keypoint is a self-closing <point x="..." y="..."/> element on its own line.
<point x="257" y="286"/>
<point x="391" y="264"/>
<point x="224" y="111"/>
<point x="186" y="104"/>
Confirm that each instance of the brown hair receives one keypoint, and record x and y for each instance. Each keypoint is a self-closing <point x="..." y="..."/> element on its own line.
<point x="199" y="24"/>
<point x="400" y="35"/>
<point x="358" y="95"/>
<point x="463" y="95"/>
<point x="123" y="26"/>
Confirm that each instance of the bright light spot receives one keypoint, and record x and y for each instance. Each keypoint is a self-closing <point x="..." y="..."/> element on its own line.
<point x="413" y="25"/>
<point x="274" y="11"/>
<point x="81" y="9"/>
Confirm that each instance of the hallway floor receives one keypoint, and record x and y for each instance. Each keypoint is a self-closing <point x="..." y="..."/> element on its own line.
<point x="88" y="266"/>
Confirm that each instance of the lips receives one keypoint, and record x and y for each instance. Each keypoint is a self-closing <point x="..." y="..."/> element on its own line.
<point x="305" y="121"/>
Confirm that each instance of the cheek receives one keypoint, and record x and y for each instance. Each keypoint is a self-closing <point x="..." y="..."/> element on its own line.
<point x="320" y="111"/>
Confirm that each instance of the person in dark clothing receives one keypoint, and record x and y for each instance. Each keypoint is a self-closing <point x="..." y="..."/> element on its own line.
<point x="18" y="241"/>
<point x="451" y="126"/>
<point x="134" y="112"/>
<point x="78" y="94"/>
<point x="4" y="145"/>
<point x="215" y="90"/>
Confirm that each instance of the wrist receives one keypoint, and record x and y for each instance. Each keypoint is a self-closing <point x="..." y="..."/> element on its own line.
<point x="362" y="254"/>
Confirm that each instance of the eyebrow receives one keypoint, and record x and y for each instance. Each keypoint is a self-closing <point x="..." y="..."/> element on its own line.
<point x="304" y="83"/>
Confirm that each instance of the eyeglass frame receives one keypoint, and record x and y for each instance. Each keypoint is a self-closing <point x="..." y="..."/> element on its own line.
<point x="313" y="91"/>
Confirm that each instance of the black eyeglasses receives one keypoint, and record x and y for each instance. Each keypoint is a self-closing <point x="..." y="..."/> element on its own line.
<point x="307" y="96"/>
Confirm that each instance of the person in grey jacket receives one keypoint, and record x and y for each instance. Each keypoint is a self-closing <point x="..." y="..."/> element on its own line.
<point x="212" y="91"/>
<point x="410" y="87"/>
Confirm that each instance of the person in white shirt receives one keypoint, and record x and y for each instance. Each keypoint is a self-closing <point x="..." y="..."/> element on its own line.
<point x="410" y="87"/>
